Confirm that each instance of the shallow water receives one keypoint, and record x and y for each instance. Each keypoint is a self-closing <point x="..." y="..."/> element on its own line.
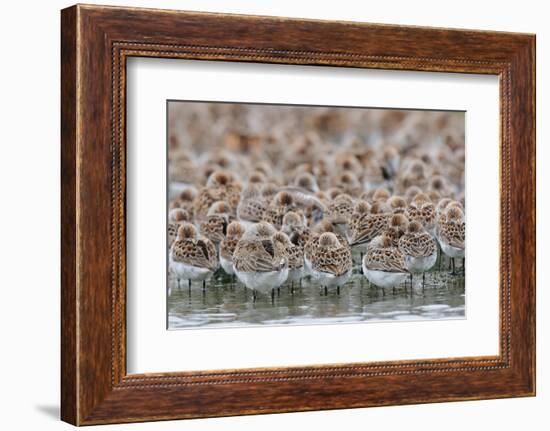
<point x="227" y="303"/>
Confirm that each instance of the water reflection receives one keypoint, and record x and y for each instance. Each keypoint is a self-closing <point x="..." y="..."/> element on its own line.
<point x="227" y="303"/>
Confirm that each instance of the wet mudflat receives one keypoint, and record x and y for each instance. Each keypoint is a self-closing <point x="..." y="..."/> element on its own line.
<point x="227" y="303"/>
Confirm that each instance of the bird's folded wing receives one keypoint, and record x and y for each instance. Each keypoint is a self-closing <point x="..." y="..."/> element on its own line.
<point x="453" y="235"/>
<point x="386" y="260"/>
<point x="368" y="229"/>
<point x="253" y="257"/>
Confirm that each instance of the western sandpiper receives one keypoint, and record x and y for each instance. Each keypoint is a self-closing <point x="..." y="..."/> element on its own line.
<point x="235" y="231"/>
<point x="396" y="228"/>
<point x="252" y="206"/>
<point x="413" y="174"/>
<point x="411" y="192"/>
<point x="330" y="261"/>
<point x="294" y="253"/>
<point x="176" y="217"/>
<point x="381" y="195"/>
<point x="423" y="210"/>
<point x="307" y="182"/>
<point x="214" y="226"/>
<point x="339" y="213"/>
<point x="282" y="203"/>
<point x="185" y="199"/>
<point x="360" y="210"/>
<point x="192" y="257"/>
<point x="369" y="226"/>
<point x="296" y="223"/>
<point x="419" y="248"/>
<point x="384" y="265"/>
<point x="260" y="263"/>
<point x="452" y="232"/>
<point x="220" y="186"/>
<point x="397" y="204"/>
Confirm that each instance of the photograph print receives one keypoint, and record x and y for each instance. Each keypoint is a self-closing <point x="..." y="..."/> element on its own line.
<point x="303" y="215"/>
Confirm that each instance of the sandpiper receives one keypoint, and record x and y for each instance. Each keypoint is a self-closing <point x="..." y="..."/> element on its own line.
<point x="368" y="226"/>
<point x="214" y="227"/>
<point x="320" y="228"/>
<point x="295" y="223"/>
<point x="384" y="265"/>
<point x="282" y="203"/>
<point x="307" y="181"/>
<point x="176" y="217"/>
<point x="452" y="233"/>
<point x="360" y="210"/>
<point x="423" y="210"/>
<point x="381" y="195"/>
<point x="419" y="248"/>
<point x="330" y="262"/>
<point x="185" y="199"/>
<point x="396" y="228"/>
<point x="397" y="204"/>
<point x="220" y="186"/>
<point x="260" y="263"/>
<point x="251" y="206"/>
<point x="192" y="257"/>
<point x="339" y="213"/>
<point x="235" y="231"/>
<point x="295" y="255"/>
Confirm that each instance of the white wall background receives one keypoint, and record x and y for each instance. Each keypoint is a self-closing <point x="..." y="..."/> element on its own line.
<point x="29" y="215"/>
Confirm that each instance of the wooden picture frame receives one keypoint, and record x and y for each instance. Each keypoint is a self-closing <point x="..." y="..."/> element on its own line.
<point x="96" y="41"/>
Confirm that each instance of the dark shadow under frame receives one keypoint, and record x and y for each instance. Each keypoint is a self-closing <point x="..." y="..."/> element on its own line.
<point x="96" y="41"/>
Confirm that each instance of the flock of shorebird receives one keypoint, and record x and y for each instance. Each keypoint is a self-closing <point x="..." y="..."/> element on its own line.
<point x="313" y="212"/>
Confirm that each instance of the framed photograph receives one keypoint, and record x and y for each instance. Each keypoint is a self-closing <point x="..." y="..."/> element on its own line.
<point x="265" y="215"/>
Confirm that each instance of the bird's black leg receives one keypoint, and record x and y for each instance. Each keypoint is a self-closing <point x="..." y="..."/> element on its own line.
<point x="361" y="263"/>
<point x="203" y="285"/>
<point x="326" y="290"/>
<point x="423" y="280"/>
<point x="338" y="290"/>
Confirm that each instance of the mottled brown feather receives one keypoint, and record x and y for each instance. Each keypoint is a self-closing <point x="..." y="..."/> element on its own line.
<point x="199" y="252"/>
<point x="254" y="256"/>
<point x="419" y="244"/>
<point x="388" y="259"/>
<point x="453" y="233"/>
<point x="368" y="227"/>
